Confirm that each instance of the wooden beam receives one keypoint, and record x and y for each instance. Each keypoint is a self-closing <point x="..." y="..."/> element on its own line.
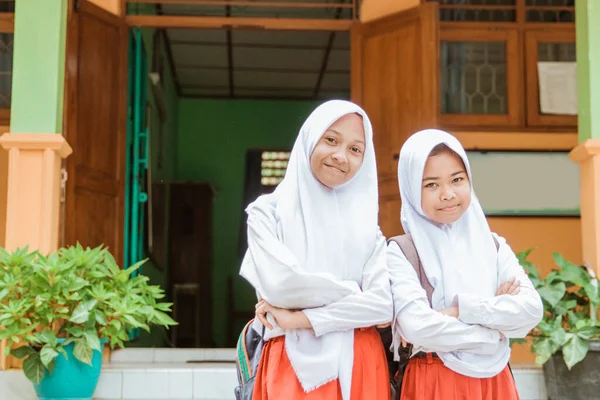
<point x="270" y="4"/>
<point x="198" y="22"/>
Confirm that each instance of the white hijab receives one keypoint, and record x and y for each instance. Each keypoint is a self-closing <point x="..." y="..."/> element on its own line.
<point x="324" y="239"/>
<point x="457" y="258"/>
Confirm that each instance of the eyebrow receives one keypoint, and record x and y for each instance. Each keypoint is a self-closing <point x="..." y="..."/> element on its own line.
<point x="340" y="134"/>
<point x="433" y="178"/>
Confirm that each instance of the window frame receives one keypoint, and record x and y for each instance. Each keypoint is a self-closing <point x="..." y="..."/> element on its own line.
<point x="532" y="39"/>
<point x="514" y="79"/>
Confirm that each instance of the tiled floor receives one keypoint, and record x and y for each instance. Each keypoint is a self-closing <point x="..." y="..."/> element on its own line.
<point x="164" y="374"/>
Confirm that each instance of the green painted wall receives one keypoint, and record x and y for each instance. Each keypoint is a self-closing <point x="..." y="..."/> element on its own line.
<point x="38" y="66"/>
<point x="588" y="65"/>
<point x="160" y="148"/>
<point x="212" y="140"/>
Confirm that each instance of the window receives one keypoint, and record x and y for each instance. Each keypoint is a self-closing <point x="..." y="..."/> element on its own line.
<point x="272" y="167"/>
<point x="489" y="54"/>
<point x="544" y="46"/>
<point x="479" y="86"/>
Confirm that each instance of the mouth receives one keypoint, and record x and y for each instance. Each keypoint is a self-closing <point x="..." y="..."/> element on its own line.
<point x="335" y="168"/>
<point x="450" y="209"/>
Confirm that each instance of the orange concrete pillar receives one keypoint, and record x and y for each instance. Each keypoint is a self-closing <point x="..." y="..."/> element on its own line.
<point x="587" y="153"/>
<point x="33" y="191"/>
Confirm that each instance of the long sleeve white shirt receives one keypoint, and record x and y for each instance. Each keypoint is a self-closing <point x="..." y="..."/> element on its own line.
<point x="476" y="331"/>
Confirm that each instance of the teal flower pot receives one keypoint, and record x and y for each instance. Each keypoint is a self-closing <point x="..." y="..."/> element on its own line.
<point x="71" y="379"/>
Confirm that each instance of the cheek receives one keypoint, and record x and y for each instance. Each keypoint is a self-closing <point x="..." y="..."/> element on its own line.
<point x="315" y="158"/>
<point x="427" y="200"/>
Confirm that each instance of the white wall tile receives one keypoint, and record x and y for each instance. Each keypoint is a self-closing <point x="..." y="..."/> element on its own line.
<point x="214" y="384"/>
<point x="110" y="385"/>
<point x="145" y="385"/>
<point x="181" y="385"/>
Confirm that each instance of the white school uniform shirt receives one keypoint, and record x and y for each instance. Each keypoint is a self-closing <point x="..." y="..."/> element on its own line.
<point x="465" y="268"/>
<point x="320" y="250"/>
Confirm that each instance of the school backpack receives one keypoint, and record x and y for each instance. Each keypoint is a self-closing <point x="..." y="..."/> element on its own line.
<point x="248" y="351"/>
<point x="396" y="369"/>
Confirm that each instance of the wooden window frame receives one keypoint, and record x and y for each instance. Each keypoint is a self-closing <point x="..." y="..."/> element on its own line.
<point x="7" y="25"/>
<point x="514" y="77"/>
<point x="532" y="38"/>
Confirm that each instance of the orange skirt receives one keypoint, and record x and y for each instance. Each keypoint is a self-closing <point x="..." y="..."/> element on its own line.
<point x="428" y="379"/>
<point x="276" y="380"/>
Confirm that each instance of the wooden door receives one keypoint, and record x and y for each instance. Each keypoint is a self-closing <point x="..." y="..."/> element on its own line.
<point x="190" y="263"/>
<point x="395" y="78"/>
<point x="95" y="127"/>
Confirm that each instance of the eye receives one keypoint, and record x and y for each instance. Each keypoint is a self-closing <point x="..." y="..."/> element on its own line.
<point x="431" y="185"/>
<point x="357" y="150"/>
<point x="330" y="140"/>
<point x="458" y="179"/>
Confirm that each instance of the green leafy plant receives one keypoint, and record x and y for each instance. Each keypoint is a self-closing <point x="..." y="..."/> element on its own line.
<point x="76" y="296"/>
<point x="571" y="298"/>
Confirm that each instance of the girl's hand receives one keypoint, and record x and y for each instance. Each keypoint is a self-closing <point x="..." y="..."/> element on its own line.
<point x="285" y="319"/>
<point x="511" y="287"/>
<point x="381" y="326"/>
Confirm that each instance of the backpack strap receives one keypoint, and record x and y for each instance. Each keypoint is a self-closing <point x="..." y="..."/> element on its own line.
<point x="407" y="246"/>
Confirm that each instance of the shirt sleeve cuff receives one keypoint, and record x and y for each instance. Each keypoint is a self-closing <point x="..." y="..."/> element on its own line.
<point x="318" y="320"/>
<point x="470" y="309"/>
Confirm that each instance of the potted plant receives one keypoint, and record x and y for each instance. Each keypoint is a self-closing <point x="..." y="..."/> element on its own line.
<point x="567" y="340"/>
<point x="63" y="308"/>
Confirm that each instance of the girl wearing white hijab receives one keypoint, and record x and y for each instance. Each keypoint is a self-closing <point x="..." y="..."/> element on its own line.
<point x="481" y="297"/>
<point x="316" y="258"/>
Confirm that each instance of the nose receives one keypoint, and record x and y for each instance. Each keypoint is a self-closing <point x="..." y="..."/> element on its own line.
<point x="447" y="193"/>
<point x="340" y="157"/>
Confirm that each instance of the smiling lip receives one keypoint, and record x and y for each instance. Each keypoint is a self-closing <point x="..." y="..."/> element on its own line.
<point x="449" y="209"/>
<point x="336" y="168"/>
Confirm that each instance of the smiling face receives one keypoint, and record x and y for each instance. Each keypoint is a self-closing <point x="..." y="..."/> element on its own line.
<point x="445" y="190"/>
<point x="339" y="153"/>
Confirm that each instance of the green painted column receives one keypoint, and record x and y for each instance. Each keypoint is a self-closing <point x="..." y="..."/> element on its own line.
<point x="588" y="68"/>
<point x="38" y="66"/>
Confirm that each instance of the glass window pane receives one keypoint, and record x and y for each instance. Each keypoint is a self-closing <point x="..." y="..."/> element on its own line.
<point x="556" y="52"/>
<point x="505" y="13"/>
<point x="7" y="5"/>
<point x="473" y="77"/>
<point x="559" y="11"/>
<point x="6" y="60"/>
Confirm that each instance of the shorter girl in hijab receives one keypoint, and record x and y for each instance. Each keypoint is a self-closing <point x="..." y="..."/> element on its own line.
<point x="481" y="295"/>
<point x="316" y="258"/>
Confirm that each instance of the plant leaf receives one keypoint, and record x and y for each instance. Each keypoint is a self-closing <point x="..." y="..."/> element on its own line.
<point x="91" y="337"/>
<point x="51" y="366"/>
<point x="33" y="369"/>
<point x="81" y="314"/>
<point x="48" y="354"/>
<point x="553" y="293"/>
<point x="575" y="350"/>
<point x="22" y="352"/>
<point x="571" y="272"/>
<point x="83" y="352"/>
<point x="558" y="336"/>
<point x="588" y="333"/>
<point x="543" y="348"/>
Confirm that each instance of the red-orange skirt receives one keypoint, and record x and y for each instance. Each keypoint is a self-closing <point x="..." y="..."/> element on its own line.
<point x="428" y="379"/>
<point x="276" y="380"/>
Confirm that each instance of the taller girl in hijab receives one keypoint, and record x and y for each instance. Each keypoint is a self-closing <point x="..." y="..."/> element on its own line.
<point x="317" y="260"/>
<point x="481" y="295"/>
